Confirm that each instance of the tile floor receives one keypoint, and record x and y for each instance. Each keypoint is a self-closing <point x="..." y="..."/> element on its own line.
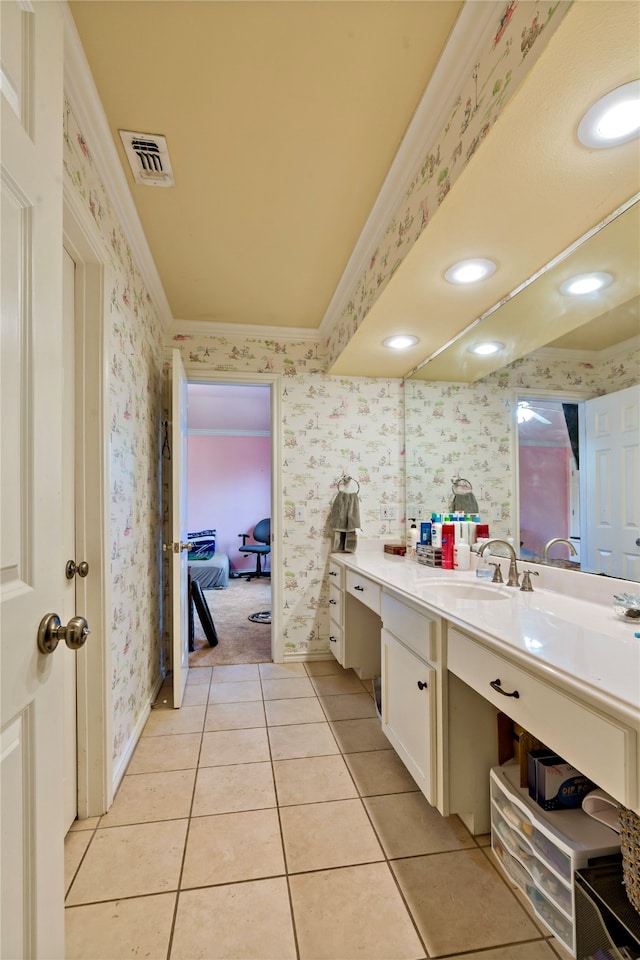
<point x="268" y="818"/>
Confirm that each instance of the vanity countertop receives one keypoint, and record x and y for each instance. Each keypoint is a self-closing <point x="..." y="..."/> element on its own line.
<point x="575" y="643"/>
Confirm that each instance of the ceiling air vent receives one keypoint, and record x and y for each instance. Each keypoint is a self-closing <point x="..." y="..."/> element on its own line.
<point x="149" y="158"/>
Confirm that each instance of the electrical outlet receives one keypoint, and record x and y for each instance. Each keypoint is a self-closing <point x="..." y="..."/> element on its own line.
<point x="300" y="512"/>
<point x="388" y="511"/>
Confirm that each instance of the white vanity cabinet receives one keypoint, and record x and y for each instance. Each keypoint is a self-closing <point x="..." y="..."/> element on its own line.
<point x="410" y="679"/>
<point x="354" y="621"/>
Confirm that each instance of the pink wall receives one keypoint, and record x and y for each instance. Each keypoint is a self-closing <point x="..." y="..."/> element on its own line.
<point x="542" y="516"/>
<point x="229" y="489"/>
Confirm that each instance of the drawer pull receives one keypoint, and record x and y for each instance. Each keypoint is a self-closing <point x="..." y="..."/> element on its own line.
<point x="422" y="685"/>
<point x="333" y="639"/>
<point x="497" y="686"/>
<point x="333" y="601"/>
<point x="358" y="587"/>
<point x="333" y="573"/>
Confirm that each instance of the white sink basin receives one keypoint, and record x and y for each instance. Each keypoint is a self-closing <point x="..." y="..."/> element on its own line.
<point x="447" y="590"/>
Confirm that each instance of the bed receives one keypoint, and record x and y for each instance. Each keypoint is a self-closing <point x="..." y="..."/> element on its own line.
<point x="207" y="567"/>
<point x="212" y="573"/>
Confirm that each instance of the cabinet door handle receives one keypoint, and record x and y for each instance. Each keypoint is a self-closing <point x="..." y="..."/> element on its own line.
<point x="497" y="686"/>
<point x="422" y="685"/>
<point x="333" y="601"/>
<point x="358" y="588"/>
<point x="333" y="573"/>
<point x="333" y="639"/>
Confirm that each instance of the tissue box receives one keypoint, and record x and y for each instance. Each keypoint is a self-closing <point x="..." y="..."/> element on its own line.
<point x="558" y="785"/>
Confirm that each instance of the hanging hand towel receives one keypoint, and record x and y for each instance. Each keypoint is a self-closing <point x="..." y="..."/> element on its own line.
<point x="344" y="520"/>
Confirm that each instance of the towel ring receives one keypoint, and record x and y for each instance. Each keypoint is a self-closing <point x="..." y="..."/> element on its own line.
<point x="344" y="481"/>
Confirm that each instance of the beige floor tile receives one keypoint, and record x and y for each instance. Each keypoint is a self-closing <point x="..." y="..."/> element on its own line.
<point x="242" y="921"/>
<point x="89" y="824"/>
<point x="379" y="772"/>
<point x="199" y="675"/>
<point x="120" y="929"/>
<point x="231" y="847"/>
<point x="339" y="683"/>
<point x="325" y="668"/>
<point x="302" y="740"/>
<point x="234" y="716"/>
<point x="143" y="797"/>
<point x="281" y="671"/>
<point x="75" y="845"/>
<point x="483" y="839"/>
<point x="130" y="862"/>
<point x="236" y="692"/>
<point x="235" y="672"/>
<point x="538" y="950"/>
<point x="221" y="747"/>
<point x="312" y="780"/>
<point x="348" y="706"/>
<point x="302" y="710"/>
<point x="459" y="903"/>
<point x="352" y="912"/>
<point x="246" y="786"/>
<point x="354" y="736"/>
<point x="195" y="694"/>
<point x="155" y="754"/>
<point x="318" y="836"/>
<point x="167" y="723"/>
<point x="408" y="826"/>
<point x="287" y="688"/>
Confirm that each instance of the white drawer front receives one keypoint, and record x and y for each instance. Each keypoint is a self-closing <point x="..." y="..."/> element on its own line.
<point x="335" y="603"/>
<point x="601" y="748"/>
<point x="336" y="573"/>
<point x="416" y="630"/>
<point x="336" y="641"/>
<point x="365" y="590"/>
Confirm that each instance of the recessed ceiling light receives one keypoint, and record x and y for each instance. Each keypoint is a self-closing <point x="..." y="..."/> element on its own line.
<point x="614" y="119"/>
<point x="585" y="283"/>
<point x="486" y="348"/>
<point x="470" y="271"/>
<point x="400" y="342"/>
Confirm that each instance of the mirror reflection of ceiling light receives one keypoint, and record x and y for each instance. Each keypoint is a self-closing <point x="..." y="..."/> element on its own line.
<point x="585" y="283"/>
<point x="614" y="119"/>
<point x="400" y="342"/>
<point x="486" y="348"/>
<point x="470" y="271"/>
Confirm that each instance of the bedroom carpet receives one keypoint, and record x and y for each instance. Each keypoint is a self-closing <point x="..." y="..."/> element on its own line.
<point x="240" y="640"/>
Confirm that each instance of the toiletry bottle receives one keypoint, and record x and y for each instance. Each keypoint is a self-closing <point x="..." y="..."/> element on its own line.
<point x="436" y="534"/>
<point x="448" y="541"/>
<point x="412" y="538"/>
<point x="461" y="556"/>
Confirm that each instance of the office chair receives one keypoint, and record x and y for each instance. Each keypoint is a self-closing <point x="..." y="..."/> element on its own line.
<point x="262" y="534"/>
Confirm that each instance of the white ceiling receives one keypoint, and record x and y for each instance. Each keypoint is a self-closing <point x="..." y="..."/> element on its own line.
<point x="282" y="121"/>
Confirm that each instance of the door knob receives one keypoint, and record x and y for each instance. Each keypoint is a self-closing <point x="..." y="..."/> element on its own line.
<point x="82" y="569"/>
<point x="51" y="632"/>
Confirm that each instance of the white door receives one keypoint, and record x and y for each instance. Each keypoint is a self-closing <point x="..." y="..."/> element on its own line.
<point x="179" y="598"/>
<point x="32" y="563"/>
<point x="612" y="484"/>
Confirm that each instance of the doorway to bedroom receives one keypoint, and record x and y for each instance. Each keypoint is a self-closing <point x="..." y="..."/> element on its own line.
<point x="229" y="498"/>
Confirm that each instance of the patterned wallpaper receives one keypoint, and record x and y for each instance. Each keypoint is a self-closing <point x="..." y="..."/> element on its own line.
<point x="134" y="347"/>
<point x="521" y="30"/>
<point x="460" y="429"/>
<point x="330" y="426"/>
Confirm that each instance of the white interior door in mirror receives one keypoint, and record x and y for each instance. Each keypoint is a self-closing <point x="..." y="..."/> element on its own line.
<point x="180" y="600"/>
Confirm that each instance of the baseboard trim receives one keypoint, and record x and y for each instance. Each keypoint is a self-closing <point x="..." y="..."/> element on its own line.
<point x="120" y="768"/>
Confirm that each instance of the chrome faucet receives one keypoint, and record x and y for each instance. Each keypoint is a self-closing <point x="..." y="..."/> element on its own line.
<point x="572" y="550"/>
<point x="513" y="566"/>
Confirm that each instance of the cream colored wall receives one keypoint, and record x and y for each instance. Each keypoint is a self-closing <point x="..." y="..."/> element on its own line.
<point x="134" y="359"/>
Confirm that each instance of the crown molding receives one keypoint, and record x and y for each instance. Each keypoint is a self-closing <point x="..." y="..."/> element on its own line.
<point x="80" y="89"/>
<point x="467" y="39"/>
<point x="591" y="356"/>
<point x="210" y="328"/>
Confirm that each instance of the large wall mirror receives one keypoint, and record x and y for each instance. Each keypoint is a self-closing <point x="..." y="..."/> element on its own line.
<point x="523" y="429"/>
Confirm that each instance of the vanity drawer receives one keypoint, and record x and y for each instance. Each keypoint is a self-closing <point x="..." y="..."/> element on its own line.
<point x="365" y="590"/>
<point x="601" y="748"/>
<point x="336" y="573"/>
<point x="335" y="603"/>
<point x="336" y="641"/>
<point x="416" y="630"/>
